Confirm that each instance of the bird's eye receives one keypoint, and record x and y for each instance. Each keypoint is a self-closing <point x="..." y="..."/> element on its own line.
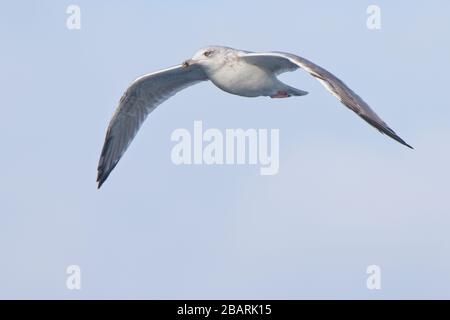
<point x="208" y="53"/>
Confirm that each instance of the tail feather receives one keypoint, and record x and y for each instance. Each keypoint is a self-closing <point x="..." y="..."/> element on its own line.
<point x="296" y="92"/>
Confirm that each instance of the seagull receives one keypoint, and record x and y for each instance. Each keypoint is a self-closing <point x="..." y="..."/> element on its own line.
<point x="239" y="72"/>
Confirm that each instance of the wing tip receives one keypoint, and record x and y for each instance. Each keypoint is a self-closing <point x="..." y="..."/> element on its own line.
<point x="394" y="136"/>
<point x="103" y="173"/>
<point x="404" y="143"/>
<point x="383" y="128"/>
<point x="399" y="140"/>
<point x="409" y="146"/>
<point x="100" y="179"/>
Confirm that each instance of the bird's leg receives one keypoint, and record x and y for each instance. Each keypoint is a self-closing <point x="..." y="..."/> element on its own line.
<point x="280" y="94"/>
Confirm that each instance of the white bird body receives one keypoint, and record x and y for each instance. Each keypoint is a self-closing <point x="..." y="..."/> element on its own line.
<point x="245" y="80"/>
<point x="238" y="72"/>
<point x="234" y="75"/>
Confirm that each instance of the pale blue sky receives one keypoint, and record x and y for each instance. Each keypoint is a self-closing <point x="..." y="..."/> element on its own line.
<point x="346" y="197"/>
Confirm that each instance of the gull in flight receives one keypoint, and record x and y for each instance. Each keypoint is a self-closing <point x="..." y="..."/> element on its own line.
<point x="243" y="73"/>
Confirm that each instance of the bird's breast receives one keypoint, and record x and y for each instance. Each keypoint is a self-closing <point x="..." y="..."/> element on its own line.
<point x="243" y="79"/>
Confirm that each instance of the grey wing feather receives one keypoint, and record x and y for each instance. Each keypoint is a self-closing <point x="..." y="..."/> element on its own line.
<point x="141" y="98"/>
<point x="279" y="62"/>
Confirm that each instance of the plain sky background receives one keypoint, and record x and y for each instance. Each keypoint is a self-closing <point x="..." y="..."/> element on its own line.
<point x="346" y="197"/>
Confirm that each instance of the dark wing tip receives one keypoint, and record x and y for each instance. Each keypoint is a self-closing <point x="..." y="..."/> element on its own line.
<point x="394" y="136"/>
<point x="100" y="180"/>
<point x="101" y="177"/>
<point x="404" y="143"/>
<point x="104" y="168"/>
<point x="411" y="147"/>
<point x="103" y="174"/>
<point x="385" y="129"/>
<point x="104" y="171"/>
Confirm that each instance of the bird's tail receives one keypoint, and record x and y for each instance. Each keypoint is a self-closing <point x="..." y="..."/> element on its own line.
<point x="295" y="92"/>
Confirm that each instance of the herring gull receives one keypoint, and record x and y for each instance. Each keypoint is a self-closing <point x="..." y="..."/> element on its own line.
<point x="243" y="73"/>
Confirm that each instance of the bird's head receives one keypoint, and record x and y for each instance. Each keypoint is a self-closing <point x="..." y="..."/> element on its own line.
<point x="209" y="58"/>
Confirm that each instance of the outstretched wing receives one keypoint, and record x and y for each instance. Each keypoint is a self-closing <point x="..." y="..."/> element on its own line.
<point x="141" y="98"/>
<point x="279" y="62"/>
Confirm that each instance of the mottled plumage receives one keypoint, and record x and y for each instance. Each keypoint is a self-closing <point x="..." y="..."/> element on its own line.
<point x="237" y="72"/>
